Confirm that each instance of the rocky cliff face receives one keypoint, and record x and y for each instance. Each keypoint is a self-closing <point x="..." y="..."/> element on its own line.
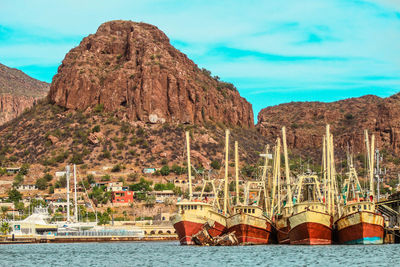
<point x="348" y="119"/>
<point x="12" y="106"/>
<point x="132" y="69"/>
<point x="18" y="91"/>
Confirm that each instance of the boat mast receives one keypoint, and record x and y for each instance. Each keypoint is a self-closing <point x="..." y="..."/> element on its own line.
<point x="75" y="196"/>
<point x="328" y="169"/>
<point x="287" y="172"/>
<point x="333" y="178"/>
<point x="226" y="171"/>
<point x="276" y="178"/>
<point x="371" y="168"/>
<point x="263" y="178"/>
<point x="324" y="165"/>
<point x="237" y="171"/>
<point x="278" y="166"/>
<point x="67" y="176"/>
<point x="188" y="165"/>
<point x="273" y="181"/>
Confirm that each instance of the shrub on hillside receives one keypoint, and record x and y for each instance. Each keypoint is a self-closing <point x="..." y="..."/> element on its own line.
<point x="164" y="170"/>
<point x="216" y="165"/>
<point x="41" y="184"/>
<point x="116" y="168"/>
<point x="96" y="129"/>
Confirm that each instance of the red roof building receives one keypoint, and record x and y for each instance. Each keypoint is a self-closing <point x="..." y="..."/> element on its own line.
<point x="122" y="196"/>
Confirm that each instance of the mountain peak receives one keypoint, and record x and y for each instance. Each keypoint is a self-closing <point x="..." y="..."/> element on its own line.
<point x="131" y="68"/>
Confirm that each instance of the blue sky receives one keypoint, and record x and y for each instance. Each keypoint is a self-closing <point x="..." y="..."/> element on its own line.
<point x="273" y="51"/>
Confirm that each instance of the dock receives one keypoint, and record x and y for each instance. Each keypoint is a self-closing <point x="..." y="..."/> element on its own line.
<point x="9" y="239"/>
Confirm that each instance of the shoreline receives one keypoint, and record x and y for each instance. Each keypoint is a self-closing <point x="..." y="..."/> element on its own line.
<point x="76" y="239"/>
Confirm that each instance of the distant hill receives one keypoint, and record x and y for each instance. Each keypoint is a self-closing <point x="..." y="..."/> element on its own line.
<point x="348" y="119"/>
<point x="18" y="91"/>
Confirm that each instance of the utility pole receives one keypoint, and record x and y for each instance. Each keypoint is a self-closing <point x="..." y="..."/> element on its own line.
<point x="67" y="176"/>
<point x="75" y="197"/>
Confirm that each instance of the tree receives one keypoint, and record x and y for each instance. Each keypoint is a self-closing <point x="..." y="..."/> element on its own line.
<point x="4" y="210"/>
<point x="90" y="179"/>
<point x="216" y="165"/>
<point x="167" y="186"/>
<point x="248" y="170"/>
<point x="106" y="178"/>
<point x="178" y="170"/>
<point x="150" y="201"/>
<point x="51" y="189"/>
<point x="19" y="206"/>
<point x="14" y="195"/>
<point x="77" y="158"/>
<point x="116" y="168"/>
<point x="96" y="129"/>
<point x="164" y="170"/>
<point x="61" y="183"/>
<point x="24" y="169"/>
<point x="125" y="215"/>
<point x="103" y="218"/>
<point x="142" y="186"/>
<point x="48" y="177"/>
<point x="177" y="191"/>
<point x="41" y="183"/>
<point x="18" y="179"/>
<point x="5" y="228"/>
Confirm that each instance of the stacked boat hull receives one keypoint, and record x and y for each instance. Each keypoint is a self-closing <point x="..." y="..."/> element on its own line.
<point x="189" y="223"/>
<point x="282" y="227"/>
<point x="362" y="227"/>
<point x="310" y="228"/>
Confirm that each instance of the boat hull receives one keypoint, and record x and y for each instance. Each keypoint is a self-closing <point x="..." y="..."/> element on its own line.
<point x="185" y="230"/>
<point x="250" y="230"/>
<point x="283" y="235"/>
<point x="188" y="224"/>
<point x="310" y="228"/>
<point x="362" y="227"/>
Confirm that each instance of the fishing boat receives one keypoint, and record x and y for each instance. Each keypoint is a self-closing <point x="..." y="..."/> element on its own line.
<point x="193" y="215"/>
<point x="312" y="220"/>
<point x="250" y="225"/>
<point x="360" y="223"/>
<point x="310" y="223"/>
<point x="249" y="222"/>
<point x="191" y="218"/>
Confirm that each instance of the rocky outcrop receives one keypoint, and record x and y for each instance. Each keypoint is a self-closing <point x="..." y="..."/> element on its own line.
<point x="18" y="92"/>
<point x="132" y="69"/>
<point x="12" y="106"/>
<point x="348" y="119"/>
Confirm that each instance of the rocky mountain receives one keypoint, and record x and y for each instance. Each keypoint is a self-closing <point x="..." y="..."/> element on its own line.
<point x="348" y="118"/>
<point x="132" y="69"/>
<point x="123" y="98"/>
<point x="18" y="91"/>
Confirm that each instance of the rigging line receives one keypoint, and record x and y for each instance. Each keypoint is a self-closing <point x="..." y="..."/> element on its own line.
<point x="91" y="203"/>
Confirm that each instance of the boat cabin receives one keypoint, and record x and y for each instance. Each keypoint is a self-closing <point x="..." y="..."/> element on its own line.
<point x="314" y="206"/>
<point x="251" y="210"/>
<point x="358" y="206"/>
<point x="192" y="206"/>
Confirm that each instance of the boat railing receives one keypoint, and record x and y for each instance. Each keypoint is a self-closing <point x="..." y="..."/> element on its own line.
<point x="134" y="233"/>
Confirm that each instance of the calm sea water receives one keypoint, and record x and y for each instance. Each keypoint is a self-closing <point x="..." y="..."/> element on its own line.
<point x="171" y="254"/>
